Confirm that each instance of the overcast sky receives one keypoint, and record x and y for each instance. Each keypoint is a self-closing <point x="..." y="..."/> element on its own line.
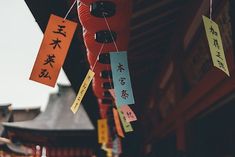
<point x="20" y="39"/>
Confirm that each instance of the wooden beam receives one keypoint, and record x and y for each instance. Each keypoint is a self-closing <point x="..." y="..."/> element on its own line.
<point x="154" y="40"/>
<point x="151" y="7"/>
<point x="152" y="30"/>
<point x="156" y="19"/>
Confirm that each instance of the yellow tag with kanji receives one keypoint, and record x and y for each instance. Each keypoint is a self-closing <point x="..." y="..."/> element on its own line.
<point x="102" y="131"/>
<point x="82" y="91"/>
<point x="215" y="44"/>
<point x="53" y="50"/>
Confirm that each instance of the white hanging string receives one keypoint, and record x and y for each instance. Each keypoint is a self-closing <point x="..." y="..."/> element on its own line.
<point x="97" y="58"/>
<point x="78" y="3"/>
<point x="110" y="32"/>
<point x="81" y="3"/>
<point x="70" y="9"/>
<point x="211" y="8"/>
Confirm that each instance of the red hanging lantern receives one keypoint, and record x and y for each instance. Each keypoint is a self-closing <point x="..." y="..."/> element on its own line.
<point x="97" y="87"/>
<point x="98" y="81"/>
<point x="93" y="46"/>
<point x="92" y="58"/>
<point x="97" y="34"/>
<point x="103" y="109"/>
<point x="118" y="22"/>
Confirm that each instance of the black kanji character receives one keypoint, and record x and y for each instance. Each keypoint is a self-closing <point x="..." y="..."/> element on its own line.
<point x="88" y="77"/>
<point x="124" y="94"/>
<point x="129" y="114"/>
<point x="102" y="137"/>
<point x="213" y="31"/>
<point x="122" y="80"/>
<point x="44" y="73"/>
<point x="216" y="43"/>
<point x="50" y="59"/>
<point x="84" y="85"/>
<point x="81" y="92"/>
<point x="60" y="30"/>
<point x="219" y="55"/>
<point x="120" y="67"/>
<point x="56" y="43"/>
<point x="221" y="65"/>
<point x="102" y="126"/>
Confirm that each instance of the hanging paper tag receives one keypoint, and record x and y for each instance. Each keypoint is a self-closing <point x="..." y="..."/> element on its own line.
<point x="103" y="146"/>
<point x="116" y="145"/>
<point x="127" y="126"/>
<point x="111" y="91"/>
<point x="53" y="50"/>
<point x="117" y="123"/>
<point x="128" y="113"/>
<point x="119" y="146"/>
<point x="102" y="131"/>
<point x="121" y="78"/>
<point x="82" y="91"/>
<point x="109" y="152"/>
<point x="215" y="44"/>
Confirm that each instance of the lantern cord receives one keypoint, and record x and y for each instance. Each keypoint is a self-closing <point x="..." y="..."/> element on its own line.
<point x="78" y="4"/>
<point x="110" y="32"/>
<point x="75" y="1"/>
<point x="211" y="8"/>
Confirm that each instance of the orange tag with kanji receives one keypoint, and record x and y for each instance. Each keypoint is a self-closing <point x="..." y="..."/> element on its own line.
<point x="53" y="50"/>
<point x="117" y="123"/>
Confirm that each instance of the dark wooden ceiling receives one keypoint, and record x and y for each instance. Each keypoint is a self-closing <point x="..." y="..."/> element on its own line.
<point x="153" y="25"/>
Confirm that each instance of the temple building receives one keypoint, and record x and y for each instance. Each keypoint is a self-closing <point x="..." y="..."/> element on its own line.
<point x="56" y="131"/>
